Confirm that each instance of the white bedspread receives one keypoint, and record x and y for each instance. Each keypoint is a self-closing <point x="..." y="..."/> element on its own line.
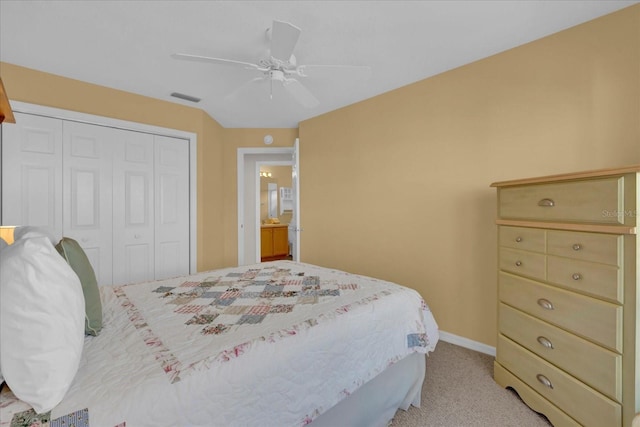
<point x="273" y="344"/>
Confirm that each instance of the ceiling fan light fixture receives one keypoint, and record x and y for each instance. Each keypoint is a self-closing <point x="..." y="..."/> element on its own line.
<point x="277" y="75"/>
<point x="281" y="66"/>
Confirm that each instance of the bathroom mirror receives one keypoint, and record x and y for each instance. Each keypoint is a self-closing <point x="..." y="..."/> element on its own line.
<point x="272" y="199"/>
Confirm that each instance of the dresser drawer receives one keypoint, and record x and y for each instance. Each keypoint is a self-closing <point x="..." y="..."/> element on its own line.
<point x="604" y="281"/>
<point x="528" y="239"/>
<point x="590" y="363"/>
<point x="591" y="318"/>
<point x="578" y="400"/>
<point x="592" y="200"/>
<point x="602" y="248"/>
<point x="522" y="262"/>
<point x="533" y="398"/>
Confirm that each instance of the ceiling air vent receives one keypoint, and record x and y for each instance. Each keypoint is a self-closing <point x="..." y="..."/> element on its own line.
<point x="185" y="97"/>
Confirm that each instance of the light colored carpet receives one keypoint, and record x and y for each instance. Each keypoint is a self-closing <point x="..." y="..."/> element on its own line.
<point x="459" y="391"/>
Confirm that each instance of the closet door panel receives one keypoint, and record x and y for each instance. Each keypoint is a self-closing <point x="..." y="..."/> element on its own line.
<point x="87" y="195"/>
<point x="85" y="198"/>
<point x="171" y="207"/>
<point x="32" y="172"/>
<point x="133" y="243"/>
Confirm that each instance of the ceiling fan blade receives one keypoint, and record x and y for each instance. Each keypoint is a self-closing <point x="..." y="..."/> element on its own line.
<point x="355" y="72"/>
<point x="300" y="93"/>
<point x="284" y="37"/>
<point x="242" y="88"/>
<point x="197" y="58"/>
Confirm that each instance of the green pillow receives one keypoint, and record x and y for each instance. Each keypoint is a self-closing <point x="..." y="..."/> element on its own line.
<point x="78" y="261"/>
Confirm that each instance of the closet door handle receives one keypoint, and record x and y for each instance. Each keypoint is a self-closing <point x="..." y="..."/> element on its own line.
<point x="545" y="342"/>
<point x="545" y="303"/>
<point x="544" y="381"/>
<point x="546" y="203"/>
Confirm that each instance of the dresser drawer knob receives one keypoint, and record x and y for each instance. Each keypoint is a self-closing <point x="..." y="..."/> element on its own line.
<point x="518" y="263"/>
<point x="546" y="203"/>
<point x="544" y="381"/>
<point x="545" y="342"/>
<point x="576" y="276"/>
<point x="576" y="246"/>
<point x="545" y="303"/>
<point x="518" y="239"/>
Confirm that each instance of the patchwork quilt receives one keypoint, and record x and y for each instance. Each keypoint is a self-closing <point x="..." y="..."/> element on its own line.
<point x="269" y="344"/>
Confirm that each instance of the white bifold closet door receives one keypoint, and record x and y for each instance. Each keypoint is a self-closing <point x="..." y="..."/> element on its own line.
<point x="133" y="204"/>
<point x="123" y="195"/>
<point x="87" y="193"/>
<point x="150" y="205"/>
<point x="171" y="206"/>
<point x="32" y="173"/>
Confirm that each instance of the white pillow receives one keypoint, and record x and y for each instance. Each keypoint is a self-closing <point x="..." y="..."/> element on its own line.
<point x="27" y="231"/>
<point x="41" y="322"/>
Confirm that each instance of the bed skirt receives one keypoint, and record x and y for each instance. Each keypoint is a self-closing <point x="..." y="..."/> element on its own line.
<point x="376" y="402"/>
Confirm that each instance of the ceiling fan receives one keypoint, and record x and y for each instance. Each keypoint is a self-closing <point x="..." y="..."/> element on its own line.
<point x="281" y="66"/>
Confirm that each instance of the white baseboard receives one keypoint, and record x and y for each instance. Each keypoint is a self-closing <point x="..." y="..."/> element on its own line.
<point x="467" y="343"/>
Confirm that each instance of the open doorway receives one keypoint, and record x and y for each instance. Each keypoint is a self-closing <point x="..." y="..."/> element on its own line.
<point x="275" y="210"/>
<point x="249" y="161"/>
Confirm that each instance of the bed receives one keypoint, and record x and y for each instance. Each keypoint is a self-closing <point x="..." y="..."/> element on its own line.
<point x="272" y="344"/>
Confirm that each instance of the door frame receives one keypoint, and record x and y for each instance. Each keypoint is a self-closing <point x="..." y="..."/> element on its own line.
<point x="191" y="137"/>
<point x="242" y="157"/>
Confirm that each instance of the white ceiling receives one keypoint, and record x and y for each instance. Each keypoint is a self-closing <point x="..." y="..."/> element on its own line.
<point x="127" y="45"/>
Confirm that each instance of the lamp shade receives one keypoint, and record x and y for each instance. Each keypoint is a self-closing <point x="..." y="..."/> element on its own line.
<point x="6" y="232"/>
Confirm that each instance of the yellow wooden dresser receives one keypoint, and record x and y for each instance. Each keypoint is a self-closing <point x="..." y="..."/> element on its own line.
<point x="568" y="300"/>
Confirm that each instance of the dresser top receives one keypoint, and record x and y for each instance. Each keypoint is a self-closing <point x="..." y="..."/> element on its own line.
<point x="567" y="176"/>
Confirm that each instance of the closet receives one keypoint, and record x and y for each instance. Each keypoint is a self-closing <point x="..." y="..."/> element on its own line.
<point x="122" y="194"/>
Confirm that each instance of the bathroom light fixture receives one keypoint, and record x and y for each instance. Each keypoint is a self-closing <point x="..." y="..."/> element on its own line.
<point x="264" y="174"/>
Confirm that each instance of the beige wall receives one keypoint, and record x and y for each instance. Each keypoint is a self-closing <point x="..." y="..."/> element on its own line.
<point x="210" y="192"/>
<point x="410" y="170"/>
